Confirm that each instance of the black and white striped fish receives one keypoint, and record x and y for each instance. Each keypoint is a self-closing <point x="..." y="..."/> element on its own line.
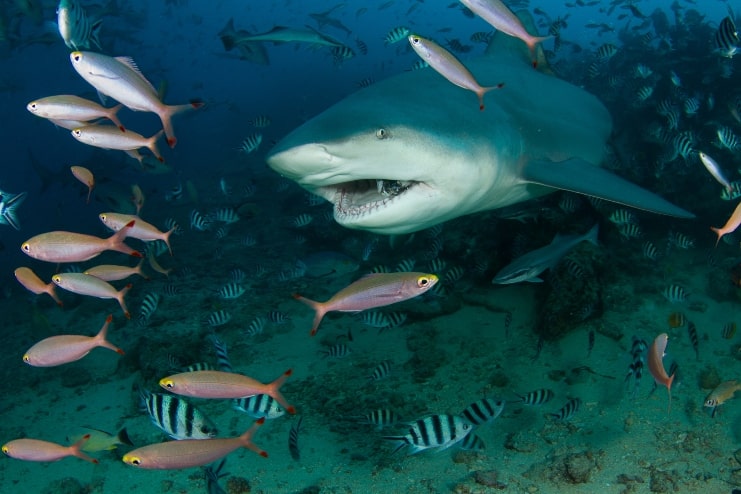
<point x="374" y="318"/>
<point x="226" y="215"/>
<point x="567" y="411"/>
<point x="381" y="371"/>
<point x="692" y="330"/>
<point x="362" y="47"/>
<point x="675" y="294"/>
<point x="635" y="368"/>
<point x="251" y="143"/>
<point x="76" y="28"/>
<point x="606" y="51"/>
<point x="198" y="221"/>
<point x="259" y="406"/>
<point x="650" y="251"/>
<point x="537" y="397"/>
<point x="293" y="439"/>
<point x="260" y="121"/>
<point x="340" y="350"/>
<point x="435" y="431"/>
<point x="396" y="34"/>
<point x="218" y="318"/>
<point x="198" y="366"/>
<point x="256" y="327"/>
<point x="381" y="418"/>
<point x="231" y="291"/>
<point x="149" y="305"/>
<point x="395" y="319"/>
<point x="222" y="356"/>
<point x="405" y="265"/>
<point x="483" y="411"/>
<point x="472" y="442"/>
<point x="302" y="220"/>
<point x="453" y="274"/>
<point x="177" y="418"/>
<point x="278" y="317"/>
<point x="726" y="38"/>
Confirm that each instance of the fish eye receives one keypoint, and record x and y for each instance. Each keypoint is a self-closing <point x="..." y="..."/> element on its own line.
<point x="423" y="281"/>
<point x="33" y="106"/>
<point x="56" y="279"/>
<point x="26" y="358"/>
<point x="6" y="449"/>
<point x="168" y="384"/>
<point x="26" y="247"/>
<point x="382" y="133"/>
<point x="136" y="461"/>
<point x="77" y="57"/>
<point x="415" y="40"/>
<point x="77" y="132"/>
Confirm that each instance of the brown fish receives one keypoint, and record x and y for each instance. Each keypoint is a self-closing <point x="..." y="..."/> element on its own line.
<point x="722" y="393"/>
<point x="656" y="364"/>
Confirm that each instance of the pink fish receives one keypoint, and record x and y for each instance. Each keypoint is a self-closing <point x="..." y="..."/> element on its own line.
<point x="86" y="177"/>
<point x="224" y="385"/>
<point x="656" y="364"/>
<point x="371" y="291"/>
<point x="34" y="284"/>
<point x="733" y="222"/>
<point x="36" y="450"/>
<point x="75" y="247"/>
<point x="62" y="349"/>
<point x="142" y="230"/>
<point x="87" y="284"/>
<point x="186" y="453"/>
<point x="496" y="13"/>
<point x="111" y="272"/>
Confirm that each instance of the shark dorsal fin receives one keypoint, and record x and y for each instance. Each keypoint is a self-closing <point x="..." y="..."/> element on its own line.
<point x="502" y="44"/>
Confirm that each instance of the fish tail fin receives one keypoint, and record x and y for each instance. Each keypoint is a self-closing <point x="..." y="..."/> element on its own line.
<point x="274" y="391"/>
<point x="120" y="296"/>
<point x="227" y="35"/>
<point x="719" y="233"/>
<point x="140" y="269"/>
<point x="113" y="116"/>
<point x="246" y="438"/>
<point x="76" y="449"/>
<point x="166" y="116"/>
<point x="102" y="336"/>
<point x="116" y="241"/>
<point x="152" y="145"/>
<point x="123" y="437"/>
<point x="95" y="34"/>
<point x="51" y="289"/>
<point x="532" y="44"/>
<point x="593" y="235"/>
<point x="669" y="390"/>
<point x="166" y="238"/>
<point x="9" y="210"/>
<point x="318" y="309"/>
<point x="485" y="90"/>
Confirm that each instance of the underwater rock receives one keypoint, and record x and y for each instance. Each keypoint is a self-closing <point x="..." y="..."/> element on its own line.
<point x="238" y="485"/>
<point x="709" y="378"/>
<point x="65" y="486"/>
<point x="520" y="442"/>
<point x="488" y="478"/>
<point x="663" y="481"/>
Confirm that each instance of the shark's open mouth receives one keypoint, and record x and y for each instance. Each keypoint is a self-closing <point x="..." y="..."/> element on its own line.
<point x="361" y="197"/>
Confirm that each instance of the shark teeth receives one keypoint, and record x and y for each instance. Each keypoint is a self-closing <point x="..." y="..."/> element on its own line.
<point x="361" y="197"/>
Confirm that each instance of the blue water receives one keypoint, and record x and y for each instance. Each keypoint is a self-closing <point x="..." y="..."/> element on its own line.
<point x="177" y="42"/>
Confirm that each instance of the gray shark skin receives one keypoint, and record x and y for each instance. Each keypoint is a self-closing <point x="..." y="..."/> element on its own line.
<point x="414" y="150"/>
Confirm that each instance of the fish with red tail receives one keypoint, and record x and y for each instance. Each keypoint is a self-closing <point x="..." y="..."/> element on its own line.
<point x="38" y="450"/>
<point x="63" y="246"/>
<point x="225" y="385"/>
<point x="186" y="453"/>
<point x="371" y="291"/>
<point x="656" y="364"/>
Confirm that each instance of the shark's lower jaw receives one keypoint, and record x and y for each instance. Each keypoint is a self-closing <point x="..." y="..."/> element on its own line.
<point x="360" y="198"/>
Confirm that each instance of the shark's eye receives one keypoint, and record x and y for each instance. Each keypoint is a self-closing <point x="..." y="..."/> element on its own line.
<point x="382" y="133"/>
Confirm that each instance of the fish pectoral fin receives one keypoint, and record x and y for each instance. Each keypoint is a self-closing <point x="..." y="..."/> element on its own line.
<point x="582" y="177"/>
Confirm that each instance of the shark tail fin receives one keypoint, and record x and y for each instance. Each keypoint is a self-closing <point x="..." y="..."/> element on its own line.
<point x="8" y="209"/>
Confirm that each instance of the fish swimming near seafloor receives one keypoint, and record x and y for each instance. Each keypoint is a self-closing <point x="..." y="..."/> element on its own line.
<point x="409" y="152"/>
<point x="527" y="267"/>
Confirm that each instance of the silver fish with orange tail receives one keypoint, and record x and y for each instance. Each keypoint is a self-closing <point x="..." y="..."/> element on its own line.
<point x="37" y="450"/>
<point x="656" y="364"/>
<point x="371" y="291"/>
<point x="121" y="79"/>
<point x="63" y="246"/>
<point x="87" y="284"/>
<point x="66" y="348"/>
<point x="186" y="453"/>
<point x="224" y="385"/>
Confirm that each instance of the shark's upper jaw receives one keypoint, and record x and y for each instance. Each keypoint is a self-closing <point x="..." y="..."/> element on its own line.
<point x="382" y="199"/>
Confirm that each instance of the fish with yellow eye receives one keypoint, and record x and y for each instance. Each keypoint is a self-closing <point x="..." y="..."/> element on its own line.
<point x="38" y="450"/>
<point x="371" y="291"/>
<point x="722" y="393"/>
<point x="186" y="453"/>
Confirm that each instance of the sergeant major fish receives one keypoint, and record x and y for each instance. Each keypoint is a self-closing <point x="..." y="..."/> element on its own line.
<point x="77" y="31"/>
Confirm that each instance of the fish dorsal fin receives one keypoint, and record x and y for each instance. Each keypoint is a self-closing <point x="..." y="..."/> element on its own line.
<point x="129" y="62"/>
<point x="504" y="44"/>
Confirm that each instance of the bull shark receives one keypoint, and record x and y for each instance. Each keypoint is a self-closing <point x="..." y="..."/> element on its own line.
<point x="414" y="150"/>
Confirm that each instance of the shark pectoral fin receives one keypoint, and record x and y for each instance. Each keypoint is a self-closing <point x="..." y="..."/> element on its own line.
<point x="577" y="175"/>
